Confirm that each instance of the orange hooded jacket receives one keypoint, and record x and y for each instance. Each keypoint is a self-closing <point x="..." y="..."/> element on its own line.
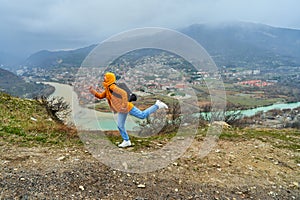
<point x="116" y="104"/>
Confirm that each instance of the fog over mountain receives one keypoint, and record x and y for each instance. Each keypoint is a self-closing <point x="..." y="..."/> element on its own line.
<point x="27" y="28"/>
<point x="238" y="43"/>
<point x="234" y="43"/>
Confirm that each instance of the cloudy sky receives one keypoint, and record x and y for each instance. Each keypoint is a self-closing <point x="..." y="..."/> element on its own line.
<point x="32" y="25"/>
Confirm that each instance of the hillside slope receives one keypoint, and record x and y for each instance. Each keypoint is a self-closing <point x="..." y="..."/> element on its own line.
<point x="68" y="58"/>
<point x="235" y="169"/>
<point x="16" y="86"/>
<point x="43" y="160"/>
<point x="27" y="123"/>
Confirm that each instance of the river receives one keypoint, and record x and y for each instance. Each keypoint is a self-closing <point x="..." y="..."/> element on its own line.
<point x="279" y="106"/>
<point x="89" y="119"/>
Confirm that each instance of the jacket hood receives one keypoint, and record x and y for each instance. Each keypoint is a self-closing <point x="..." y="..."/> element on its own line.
<point x="110" y="79"/>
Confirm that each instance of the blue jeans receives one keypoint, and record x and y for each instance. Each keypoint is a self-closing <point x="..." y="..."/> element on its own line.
<point x="134" y="112"/>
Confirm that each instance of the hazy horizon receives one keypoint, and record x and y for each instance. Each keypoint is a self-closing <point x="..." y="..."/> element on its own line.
<point x="34" y="25"/>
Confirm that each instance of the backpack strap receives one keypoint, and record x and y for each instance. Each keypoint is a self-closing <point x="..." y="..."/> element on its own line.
<point x="114" y="93"/>
<point x="109" y="87"/>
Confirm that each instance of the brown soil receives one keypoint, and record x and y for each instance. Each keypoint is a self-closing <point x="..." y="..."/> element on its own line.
<point x="244" y="169"/>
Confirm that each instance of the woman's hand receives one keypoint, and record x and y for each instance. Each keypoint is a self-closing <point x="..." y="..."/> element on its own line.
<point x="91" y="89"/>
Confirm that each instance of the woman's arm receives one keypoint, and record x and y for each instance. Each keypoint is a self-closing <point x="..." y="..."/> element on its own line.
<point x="97" y="94"/>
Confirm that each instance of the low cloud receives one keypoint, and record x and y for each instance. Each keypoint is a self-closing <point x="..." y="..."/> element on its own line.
<point x="51" y="24"/>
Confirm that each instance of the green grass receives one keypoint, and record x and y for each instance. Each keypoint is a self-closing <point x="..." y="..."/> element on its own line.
<point x="26" y="123"/>
<point x="249" y="102"/>
<point x="282" y="138"/>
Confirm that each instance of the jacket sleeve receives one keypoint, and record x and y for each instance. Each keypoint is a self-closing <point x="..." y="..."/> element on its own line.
<point x="98" y="95"/>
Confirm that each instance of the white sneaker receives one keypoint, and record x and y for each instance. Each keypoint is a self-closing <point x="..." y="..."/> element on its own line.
<point x="161" y="104"/>
<point x="125" y="144"/>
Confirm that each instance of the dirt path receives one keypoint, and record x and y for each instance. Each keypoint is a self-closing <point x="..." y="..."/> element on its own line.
<point x="233" y="170"/>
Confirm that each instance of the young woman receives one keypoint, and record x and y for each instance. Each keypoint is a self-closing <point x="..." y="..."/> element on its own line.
<point x="121" y="105"/>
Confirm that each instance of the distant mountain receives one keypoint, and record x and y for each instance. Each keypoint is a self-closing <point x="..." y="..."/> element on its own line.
<point x="248" y="44"/>
<point x="237" y="44"/>
<point x="46" y="59"/>
<point x="16" y="86"/>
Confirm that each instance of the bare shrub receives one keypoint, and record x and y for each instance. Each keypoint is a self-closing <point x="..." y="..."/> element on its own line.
<point x="57" y="107"/>
<point x="231" y="115"/>
<point x="157" y="121"/>
<point x="170" y="124"/>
